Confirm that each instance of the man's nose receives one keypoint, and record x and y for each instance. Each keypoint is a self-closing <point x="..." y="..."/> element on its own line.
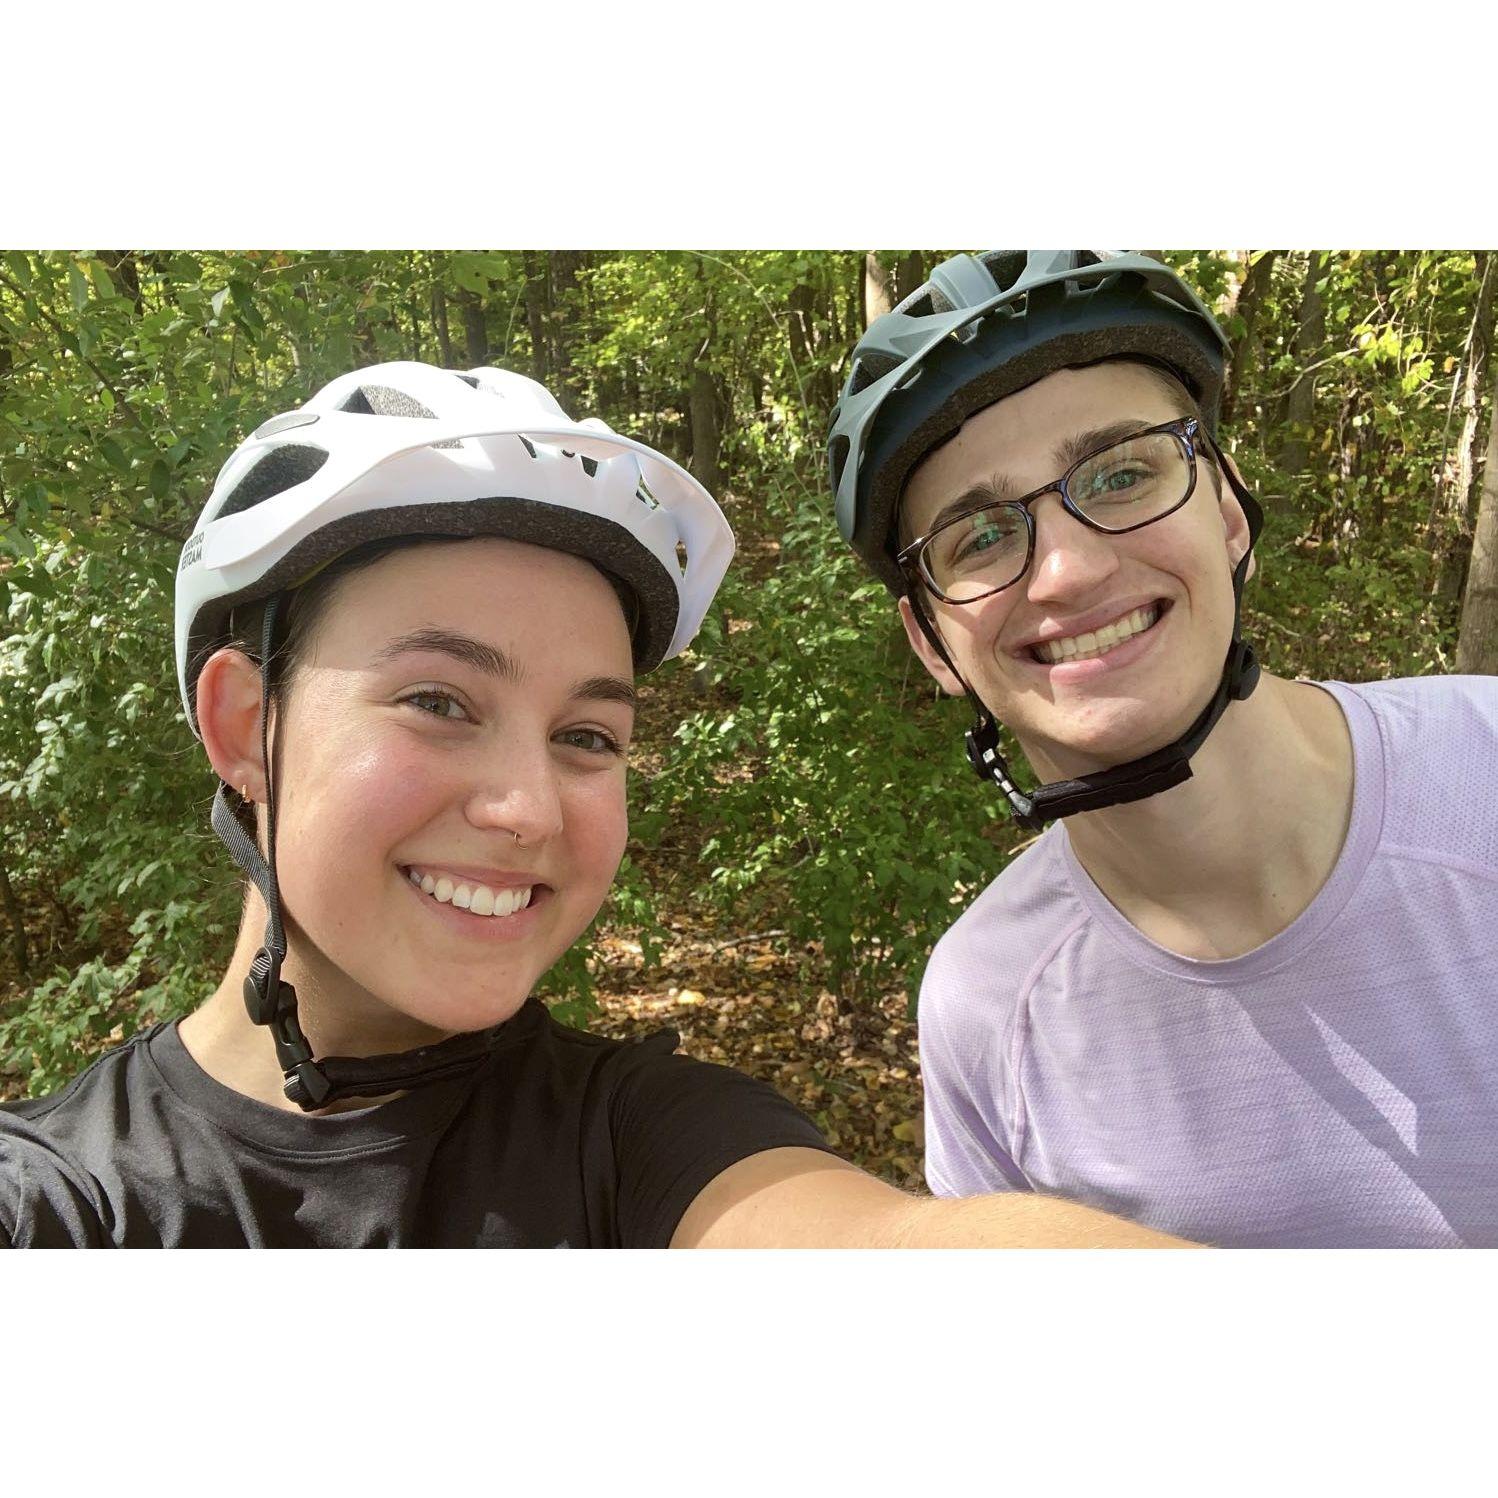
<point x="1071" y="559"/>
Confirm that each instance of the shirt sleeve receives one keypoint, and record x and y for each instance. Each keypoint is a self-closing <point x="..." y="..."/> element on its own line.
<point x="45" y="1201"/>
<point x="677" y="1123"/>
<point x="964" y="1155"/>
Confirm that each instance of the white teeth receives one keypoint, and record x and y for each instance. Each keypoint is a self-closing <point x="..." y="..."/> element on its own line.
<point x="477" y="899"/>
<point x="1099" y="641"/>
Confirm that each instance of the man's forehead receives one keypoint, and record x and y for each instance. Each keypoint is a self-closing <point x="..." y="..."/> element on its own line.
<point x="1033" y="435"/>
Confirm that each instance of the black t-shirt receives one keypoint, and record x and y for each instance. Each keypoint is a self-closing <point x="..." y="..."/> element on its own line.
<point x="559" y="1139"/>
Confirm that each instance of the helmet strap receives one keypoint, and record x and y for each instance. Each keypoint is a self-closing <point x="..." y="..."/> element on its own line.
<point x="270" y="1000"/>
<point x="1139" y="778"/>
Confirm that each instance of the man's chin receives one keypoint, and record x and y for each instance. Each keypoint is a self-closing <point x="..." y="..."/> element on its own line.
<point x="1102" y="748"/>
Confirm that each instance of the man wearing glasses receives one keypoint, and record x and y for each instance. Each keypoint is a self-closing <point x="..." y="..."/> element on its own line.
<point x="1244" y="985"/>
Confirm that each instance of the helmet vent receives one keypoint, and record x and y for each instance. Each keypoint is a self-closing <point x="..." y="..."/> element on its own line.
<point x="381" y="400"/>
<point x="280" y="469"/>
<point x="469" y="380"/>
<point x="839" y="454"/>
<point x="527" y="444"/>
<point x="590" y="466"/>
<point x="681" y="557"/>
<point x="871" y="367"/>
<point x="1005" y="266"/>
<point x="646" y="498"/>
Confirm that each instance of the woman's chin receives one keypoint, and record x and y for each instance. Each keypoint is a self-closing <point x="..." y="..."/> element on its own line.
<point x="463" y="1015"/>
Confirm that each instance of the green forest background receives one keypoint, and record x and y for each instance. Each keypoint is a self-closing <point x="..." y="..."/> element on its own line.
<point x="804" y="822"/>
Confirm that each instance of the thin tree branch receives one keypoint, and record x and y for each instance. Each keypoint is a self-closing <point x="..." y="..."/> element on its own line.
<point x="63" y="333"/>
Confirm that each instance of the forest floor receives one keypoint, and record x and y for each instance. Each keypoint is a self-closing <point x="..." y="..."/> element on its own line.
<point x="751" y="1005"/>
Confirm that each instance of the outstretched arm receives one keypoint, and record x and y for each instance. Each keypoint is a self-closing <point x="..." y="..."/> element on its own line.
<point x="802" y="1198"/>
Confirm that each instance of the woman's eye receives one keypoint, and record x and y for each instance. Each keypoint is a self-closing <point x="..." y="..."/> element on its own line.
<point x="592" y="741"/>
<point x="437" y="705"/>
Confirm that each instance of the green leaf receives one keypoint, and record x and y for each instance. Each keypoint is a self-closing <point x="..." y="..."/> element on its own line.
<point x="114" y="454"/>
<point x="77" y="286"/>
<point x="161" y="479"/>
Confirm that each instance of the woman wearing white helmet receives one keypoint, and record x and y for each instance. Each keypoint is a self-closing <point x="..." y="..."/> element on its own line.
<point x="407" y="628"/>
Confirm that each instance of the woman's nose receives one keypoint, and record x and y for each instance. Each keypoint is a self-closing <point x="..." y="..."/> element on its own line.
<point x="523" y="799"/>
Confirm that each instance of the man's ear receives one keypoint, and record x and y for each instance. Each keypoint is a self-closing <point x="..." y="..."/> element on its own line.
<point x="940" y="671"/>
<point x="1234" y="521"/>
<point x="229" y="719"/>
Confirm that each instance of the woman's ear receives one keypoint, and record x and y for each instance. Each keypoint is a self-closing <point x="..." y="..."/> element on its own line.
<point x="940" y="671"/>
<point x="228" y="703"/>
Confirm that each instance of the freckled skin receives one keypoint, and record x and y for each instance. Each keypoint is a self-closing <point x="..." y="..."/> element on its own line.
<point x="369" y="783"/>
<point x="1186" y="559"/>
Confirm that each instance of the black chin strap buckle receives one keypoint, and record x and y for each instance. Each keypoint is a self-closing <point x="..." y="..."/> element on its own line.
<point x="983" y="755"/>
<point x="272" y="1002"/>
<point x="1242" y="670"/>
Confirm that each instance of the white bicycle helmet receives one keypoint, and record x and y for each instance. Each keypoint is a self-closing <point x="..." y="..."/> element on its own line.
<point x="409" y="449"/>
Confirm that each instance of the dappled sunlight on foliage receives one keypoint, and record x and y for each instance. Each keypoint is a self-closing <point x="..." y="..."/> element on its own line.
<point x="804" y="821"/>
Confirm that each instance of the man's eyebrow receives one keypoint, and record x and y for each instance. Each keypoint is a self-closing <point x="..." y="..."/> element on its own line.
<point x="486" y="658"/>
<point x="1080" y="444"/>
<point x="999" y="487"/>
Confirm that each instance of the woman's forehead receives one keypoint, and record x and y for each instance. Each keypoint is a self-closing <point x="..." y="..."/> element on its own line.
<point x="518" y="597"/>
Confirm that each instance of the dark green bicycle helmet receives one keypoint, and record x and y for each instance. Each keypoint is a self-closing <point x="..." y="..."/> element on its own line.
<point x="981" y="328"/>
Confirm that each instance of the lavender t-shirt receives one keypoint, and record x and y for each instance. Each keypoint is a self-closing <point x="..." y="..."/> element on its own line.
<point x="1335" y="1087"/>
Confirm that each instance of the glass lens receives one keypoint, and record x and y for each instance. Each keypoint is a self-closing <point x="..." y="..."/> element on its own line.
<point x="1132" y="482"/>
<point x="979" y="552"/>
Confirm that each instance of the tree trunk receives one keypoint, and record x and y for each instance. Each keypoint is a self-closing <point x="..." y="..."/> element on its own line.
<point x="705" y="436"/>
<point x="878" y="287"/>
<point x="564" y="266"/>
<point x="1473" y="384"/>
<point x="439" y="322"/>
<point x="17" y="923"/>
<point x="1477" y="638"/>
<point x="910" y="273"/>
<point x="535" y="315"/>
<point x="125" y="274"/>
<point x="412" y="307"/>
<point x="475" y="334"/>
<point x="1251" y="294"/>
<point x="1300" y="408"/>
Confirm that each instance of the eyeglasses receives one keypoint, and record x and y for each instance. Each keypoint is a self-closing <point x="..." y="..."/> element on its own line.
<point x="1119" y="488"/>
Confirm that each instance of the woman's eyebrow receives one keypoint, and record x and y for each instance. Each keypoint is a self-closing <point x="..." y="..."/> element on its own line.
<point x="607" y="689"/>
<point x="494" y="662"/>
<point x="486" y="658"/>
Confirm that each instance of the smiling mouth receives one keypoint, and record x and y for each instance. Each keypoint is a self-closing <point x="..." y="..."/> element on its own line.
<point x="1095" y="642"/>
<point x="477" y="899"/>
